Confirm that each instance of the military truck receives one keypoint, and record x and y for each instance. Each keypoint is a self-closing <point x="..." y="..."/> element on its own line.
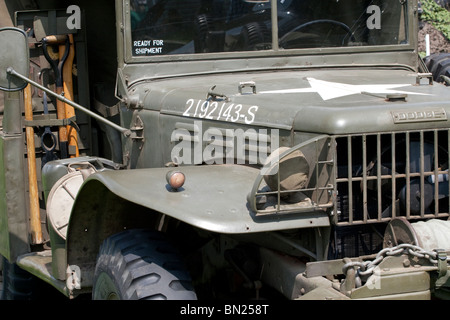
<point x="223" y="149"/>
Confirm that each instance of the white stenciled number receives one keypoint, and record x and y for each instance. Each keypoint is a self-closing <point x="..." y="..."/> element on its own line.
<point x="189" y="104"/>
<point x="199" y="103"/>
<point x="203" y="109"/>
<point x="213" y="106"/>
<point x="226" y="112"/>
<point x="237" y="113"/>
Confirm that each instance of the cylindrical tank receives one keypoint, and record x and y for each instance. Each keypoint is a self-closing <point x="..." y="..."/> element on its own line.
<point x="429" y="235"/>
<point x="433" y="234"/>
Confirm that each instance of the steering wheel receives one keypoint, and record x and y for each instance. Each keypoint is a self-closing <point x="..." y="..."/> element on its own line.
<point x="307" y="24"/>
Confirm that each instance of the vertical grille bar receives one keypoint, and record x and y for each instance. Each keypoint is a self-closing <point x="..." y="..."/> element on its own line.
<point x="364" y="182"/>
<point x="379" y="189"/>
<point x="448" y="164"/>
<point x="436" y="172"/>
<point x="350" y="175"/>
<point x="394" y="175"/>
<point x="422" y="177"/>
<point x="318" y="160"/>
<point x="408" y="176"/>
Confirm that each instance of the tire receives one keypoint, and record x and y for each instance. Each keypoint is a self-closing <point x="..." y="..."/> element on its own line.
<point x="439" y="65"/>
<point x="17" y="284"/>
<point x="253" y="35"/>
<point x="202" y="26"/>
<point x="140" y="265"/>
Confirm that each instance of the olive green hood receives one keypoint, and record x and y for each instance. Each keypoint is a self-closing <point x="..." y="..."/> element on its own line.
<point x="337" y="101"/>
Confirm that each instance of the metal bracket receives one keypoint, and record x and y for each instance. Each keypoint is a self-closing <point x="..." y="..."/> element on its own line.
<point x="137" y="129"/>
<point x="428" y="76"/>
<point x="250" y="84"/>
<point x="215" y="95"/>
<point x="73" y="276"/>
<point x="47" y="121"/>
<point x="106" y="111"/>
<point x="442" y="268"/>
<point x="441" y="262"/>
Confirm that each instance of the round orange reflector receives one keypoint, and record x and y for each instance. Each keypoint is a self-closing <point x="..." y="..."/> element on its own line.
<point x="175" y="179"/>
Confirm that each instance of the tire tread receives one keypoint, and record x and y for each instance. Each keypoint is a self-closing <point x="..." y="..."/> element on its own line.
<point x="144" y="266"/>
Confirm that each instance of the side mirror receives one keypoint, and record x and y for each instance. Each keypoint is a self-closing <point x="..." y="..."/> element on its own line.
<point x="14" y="53"/>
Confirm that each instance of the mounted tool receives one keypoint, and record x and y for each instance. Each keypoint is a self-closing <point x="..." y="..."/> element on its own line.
<point x="72" y="135"/>
<point x="35" y="221"/>
<point x="48" y="139"/>
<point x="57" y="66"/>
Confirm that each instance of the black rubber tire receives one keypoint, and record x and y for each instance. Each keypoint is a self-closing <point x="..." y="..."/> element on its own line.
<point x="439" y="65"/>
<point x="254" y="34"/>
<point x="202" y="26"/>
<point x="140" y="265"/>
<point x="17" y="284"/>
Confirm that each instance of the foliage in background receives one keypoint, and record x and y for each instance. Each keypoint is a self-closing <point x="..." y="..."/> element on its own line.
<point x="438" y="16"/>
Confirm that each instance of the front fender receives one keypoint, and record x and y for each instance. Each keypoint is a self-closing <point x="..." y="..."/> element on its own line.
<point x="213" y="198"/>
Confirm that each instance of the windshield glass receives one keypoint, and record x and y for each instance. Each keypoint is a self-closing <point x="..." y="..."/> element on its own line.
<point x="169" y="27"/>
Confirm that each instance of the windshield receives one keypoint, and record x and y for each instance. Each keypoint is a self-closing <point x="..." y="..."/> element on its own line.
<point x="169" y="27"/>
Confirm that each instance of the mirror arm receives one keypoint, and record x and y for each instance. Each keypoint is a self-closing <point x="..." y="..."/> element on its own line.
<point x="126" y="132"/>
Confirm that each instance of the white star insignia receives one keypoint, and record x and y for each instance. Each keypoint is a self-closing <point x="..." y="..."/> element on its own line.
<point x="331" y="90"/>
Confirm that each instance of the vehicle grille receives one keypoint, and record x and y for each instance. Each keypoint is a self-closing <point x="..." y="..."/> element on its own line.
<point x="385" y="175"/>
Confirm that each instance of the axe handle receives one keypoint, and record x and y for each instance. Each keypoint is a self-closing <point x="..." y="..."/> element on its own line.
<point x="61" y="113"/>
<point x="72" y="135"/>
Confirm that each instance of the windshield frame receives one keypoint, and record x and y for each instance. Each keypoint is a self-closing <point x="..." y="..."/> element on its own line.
<point x="125" y="43"/>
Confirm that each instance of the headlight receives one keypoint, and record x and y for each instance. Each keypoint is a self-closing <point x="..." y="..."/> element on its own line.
<point x="288" y="172"/>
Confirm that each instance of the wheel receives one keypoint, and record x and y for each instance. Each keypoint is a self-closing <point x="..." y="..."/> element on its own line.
<point x="254" y="36"/>
<point x="439" y="65"/>
<point x="17" y="284"/>
<point x="202" y="26"/>
<point x="140" y="265"/>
